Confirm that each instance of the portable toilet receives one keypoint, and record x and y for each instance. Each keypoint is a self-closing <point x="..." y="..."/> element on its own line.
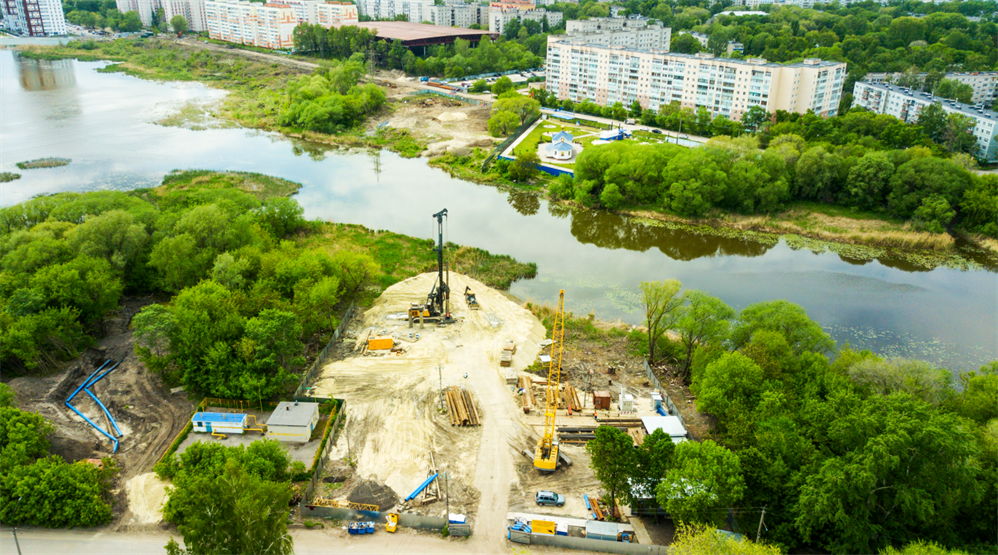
<point x="218" y="422"/>
<point x="656" y="401"/>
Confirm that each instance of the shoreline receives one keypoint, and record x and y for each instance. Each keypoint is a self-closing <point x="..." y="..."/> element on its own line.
<point x="922" y="250"/>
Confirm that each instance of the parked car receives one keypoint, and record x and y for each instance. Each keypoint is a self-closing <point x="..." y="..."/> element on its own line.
<point x="549" y="498"/>
<point x="684" y="137"/>
<point x="656" y="131"/>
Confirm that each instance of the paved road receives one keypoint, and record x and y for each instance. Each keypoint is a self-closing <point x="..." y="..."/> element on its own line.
<point x="307" y="542"/>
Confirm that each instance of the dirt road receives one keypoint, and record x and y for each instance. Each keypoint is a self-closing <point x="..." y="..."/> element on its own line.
<point x="283" y="60"/>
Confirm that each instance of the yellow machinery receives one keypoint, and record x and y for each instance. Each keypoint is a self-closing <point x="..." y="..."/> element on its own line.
<point x="393" y="521"/>
<point x="336" y="504"/>
<point x="546" y="455"/>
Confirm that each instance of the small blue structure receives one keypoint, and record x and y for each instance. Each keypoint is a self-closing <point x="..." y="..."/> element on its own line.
<point x="614" y="134"/>
<point x="560" y="151"/>
<point x="219" y="422"/>
<point x="562" y="137"/>
<point x="356" y="528"/>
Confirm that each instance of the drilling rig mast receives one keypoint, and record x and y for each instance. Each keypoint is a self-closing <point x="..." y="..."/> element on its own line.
<point x="546" y="454"/>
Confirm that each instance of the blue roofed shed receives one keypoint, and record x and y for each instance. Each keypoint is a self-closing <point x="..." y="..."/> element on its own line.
<point x="562" y="136"/>
<point x="218" y="422"/>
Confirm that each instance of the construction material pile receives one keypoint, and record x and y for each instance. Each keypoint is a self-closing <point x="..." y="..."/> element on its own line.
<point x="506" y="356"/>
<point x="461" y="407"/>
<point x="570" y="399"/>
<point x="527" y="391"/>
<point x="580" y="434"/>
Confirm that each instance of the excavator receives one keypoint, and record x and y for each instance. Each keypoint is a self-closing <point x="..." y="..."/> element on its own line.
<point x="546" y="454"/>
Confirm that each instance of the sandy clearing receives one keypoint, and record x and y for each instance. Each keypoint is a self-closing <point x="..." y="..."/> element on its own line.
<point x="393" y="421"/>
<point x="146" y="496"/>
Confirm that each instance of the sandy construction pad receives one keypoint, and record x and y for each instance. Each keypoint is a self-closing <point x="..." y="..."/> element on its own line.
<point x="393" y="416"/>
<point x="146" y="497"/>
<point x="452" y="116"/>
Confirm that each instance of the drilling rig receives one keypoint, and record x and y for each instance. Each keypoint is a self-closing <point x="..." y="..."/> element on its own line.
<point x="546" y="454"/>
<point x="437" y="305"/>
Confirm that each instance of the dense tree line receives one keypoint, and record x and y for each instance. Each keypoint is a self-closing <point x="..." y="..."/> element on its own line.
<point x="852" y="455"/>
<point x="457" y="60"/>
<point x="871" y="162"/>
<point x="330" y="100"/>
<point x="51" y="491"/>
<point x="245" y="298"/>
<point x="102" y="14"/>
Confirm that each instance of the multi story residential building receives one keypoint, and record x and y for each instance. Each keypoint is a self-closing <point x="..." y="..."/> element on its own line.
<point x="145" y="9"/>
<point x="328" y="14"/>
<point x="34" y="18"/>
<point x="499" y="17"/>
<point x="642" y="36"/>
<point x="457" y="15"/>
<point x="984" y="83"/>
<point x="907" y="104"/>
<point x="244" y="22"/>
<point x="192" y="10"/>
<point x="609" y="74"/>
<point x="602" y="24"/>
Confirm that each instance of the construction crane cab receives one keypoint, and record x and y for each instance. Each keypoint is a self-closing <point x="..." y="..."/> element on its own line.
<point x="546" y="453"/>
<point x="469" y="298"/>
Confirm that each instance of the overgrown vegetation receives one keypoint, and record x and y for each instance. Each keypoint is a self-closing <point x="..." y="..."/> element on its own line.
<point x="41" y="489"/>
<point x="854" y="455"/>
<point x="7" y="177"/>
<point x="43" y="163"/>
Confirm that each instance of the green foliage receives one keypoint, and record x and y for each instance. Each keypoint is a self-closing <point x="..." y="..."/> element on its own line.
<point x="934" y="214"/>
<point x="612" y="459"/>
<point x="331" y="100"/>
<point x="234" y="511"/>
<point x="501" y="85"/>
<point x="789" y="319"/>
<point x="178" y="24"/>
<point x="704" y="321"/>
<point x="7" y="177"/>
<point x="478" y="86"/>
<point x="524" y="168"/>
<point x="704" y="480"/>
<point x="699" y="539"/>
<point x="978" y="209"/>
<point x="502" y="124"/>
<point x="663" y="307"/>
<point x="955" y="90"/>
<point x="918" y="179"/>
<point x="525" y="108"/>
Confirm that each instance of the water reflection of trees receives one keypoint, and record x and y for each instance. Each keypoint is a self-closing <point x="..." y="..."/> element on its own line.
<point x="525" y="203"/>
<point x="612" y="231"/>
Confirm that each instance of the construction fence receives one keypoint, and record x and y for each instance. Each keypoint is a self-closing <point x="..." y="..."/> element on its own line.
<point x="670" y="406"/>
<point x="322" y="455"/>
<point x="320" y="360"/>
<point x="408" y="520"/>
<point x="472" y="101"/>
<point x="505" y="144"/>
<point x="586" y="544"/>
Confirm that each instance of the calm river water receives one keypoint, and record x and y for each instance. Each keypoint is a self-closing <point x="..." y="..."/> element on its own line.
<point x="104" y="123"/>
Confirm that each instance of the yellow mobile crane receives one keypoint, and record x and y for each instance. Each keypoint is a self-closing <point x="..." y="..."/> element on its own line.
<point x="546" y="455"/>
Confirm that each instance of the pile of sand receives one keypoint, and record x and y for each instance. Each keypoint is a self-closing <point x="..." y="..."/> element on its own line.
<point x="452" y="116"/>
<point x="146" y="497"/>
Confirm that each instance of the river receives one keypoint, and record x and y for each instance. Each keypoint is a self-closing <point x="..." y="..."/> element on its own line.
<point x="104" y="122"/>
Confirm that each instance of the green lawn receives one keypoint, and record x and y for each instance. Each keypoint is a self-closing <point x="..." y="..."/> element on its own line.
<point x="530" y="142"/>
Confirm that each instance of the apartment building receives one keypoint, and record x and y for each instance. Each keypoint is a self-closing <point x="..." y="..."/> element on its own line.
<point x="984" y="83"/>
<point x="328" y="14"/>
<point x="603" y="24"/>
<point x="245" y="22"/>
<point x="609" y="74"/>
<point x="34" y="18"/>
<point x="644" y="37"/>
<point x="907" y="104"/>
<point x="457" y="15"/>
<point x="499" y="17"/>
<point x="192" y="10"/>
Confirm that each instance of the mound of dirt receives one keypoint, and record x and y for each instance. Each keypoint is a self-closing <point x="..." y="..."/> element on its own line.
<point x="372" y="493"/>
<point x="146" y="496"/>
<point x="452" y="116"/>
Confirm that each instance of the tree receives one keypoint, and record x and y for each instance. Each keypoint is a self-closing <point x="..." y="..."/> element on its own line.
<point x="918" y="179"/>
<point x="524" y="168"/>
<point x="662" y="309"/>
<point x="705" y="479"/>
<point x="237" y="512"/>
<point x="652" y="460"/>
<point x="932" y="119"/>
<point x="754" y="117"/>
<point x="502" y="124"/>
<point x="785" y="317"/>
<point x="502" y="85"/>
<point x="179" y="24"/>
<point x="955" y="90"/>
<point x="479" y="86"/>
<point x="704" y="321"/>
<point x="685" y="43"/>
<point x="819" y="174"/>
<point x="131" y="22"/>
<point x="869" y="180"/>
<point x="114" y="236"/>
<point x="612" y="459"/>
<point x="730" y="386"/>
<point x="698" y="539"/>
<point x="636" y="109"/>
<point x="525" y="108"/>
<point x="958" y="134"/>
<point x="978" y="209"/>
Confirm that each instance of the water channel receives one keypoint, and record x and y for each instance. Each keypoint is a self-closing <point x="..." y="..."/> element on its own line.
<point x="104" y="122"/>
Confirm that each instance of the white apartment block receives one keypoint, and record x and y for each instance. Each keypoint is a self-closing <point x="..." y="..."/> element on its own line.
<point x="610" y="74"/>
<point x="34" y="18"/>
<point x="318" y="12"/>
<point x="457" y="15"/>
<point x="192" y="10"/>
<point x="500" y="17"/>
<point x="603" y="24"/>
<point x="244" y="22"/>
<point x="145" y="9"/>
<point x="652" y="37"/>
<point x="984" y="83"/>
<point x="906" y="105"/>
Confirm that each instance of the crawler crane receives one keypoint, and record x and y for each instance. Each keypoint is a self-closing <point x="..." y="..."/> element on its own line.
<point x="546" y="455"/>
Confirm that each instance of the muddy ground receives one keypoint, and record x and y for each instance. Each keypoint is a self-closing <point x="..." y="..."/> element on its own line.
<point x="148" y="415"/>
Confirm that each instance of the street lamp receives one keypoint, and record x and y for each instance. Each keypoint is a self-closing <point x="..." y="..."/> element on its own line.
<point x="14" y="520"/>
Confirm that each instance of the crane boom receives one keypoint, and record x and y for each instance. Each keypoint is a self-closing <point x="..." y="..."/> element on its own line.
<point x="546" y="455"/>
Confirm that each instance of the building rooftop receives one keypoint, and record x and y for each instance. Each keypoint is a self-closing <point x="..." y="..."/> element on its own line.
<point x="562" y="136"/>
<point x="564" y="147"/>
<point x="671" y="425"/>
<point x="233" y="417"/>
<point x="292" y="414"/>
<point x="965" y="109"/>
<point x="420" y="34"/>
<point x="601" y="528"/>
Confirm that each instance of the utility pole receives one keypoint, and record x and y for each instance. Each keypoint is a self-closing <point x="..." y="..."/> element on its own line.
<point x="759" y="533"/>
<point x="14" y="531"/>
<point x="440" y="376"/>
<point x="447" y="492"/>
